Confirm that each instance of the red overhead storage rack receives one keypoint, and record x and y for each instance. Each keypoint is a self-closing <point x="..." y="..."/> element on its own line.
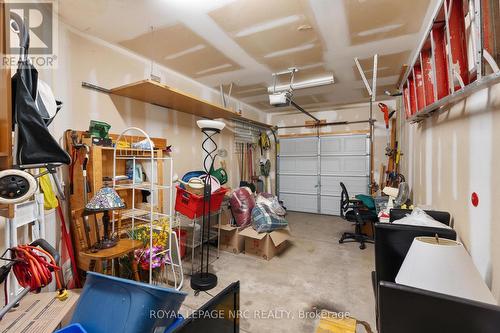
<point x="419" y="86"/>
<point x="458" y="41"/>
<point x="439" y="73"/>
<point x="406" y="99"/>
<point x="428" y="76"/>
<point x="413" y="95"/>
<point x="440" y="62"/>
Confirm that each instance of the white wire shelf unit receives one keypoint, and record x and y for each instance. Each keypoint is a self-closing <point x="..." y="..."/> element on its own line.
<point x="159" y="206"/>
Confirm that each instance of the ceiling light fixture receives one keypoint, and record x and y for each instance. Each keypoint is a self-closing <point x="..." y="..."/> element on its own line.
<point x="186" y="51"/>
<point x="288" y="51"/>
<point x="322" y="81"/>
<point x="267" y="25"/>
<point x="375" y="31"/>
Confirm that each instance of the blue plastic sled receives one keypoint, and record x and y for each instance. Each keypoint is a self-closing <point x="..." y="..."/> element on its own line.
<point x="110" y="304"/>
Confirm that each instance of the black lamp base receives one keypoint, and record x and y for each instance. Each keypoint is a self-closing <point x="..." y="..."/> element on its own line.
<point x="107" y="243"/>
<point x="203" y="281"/>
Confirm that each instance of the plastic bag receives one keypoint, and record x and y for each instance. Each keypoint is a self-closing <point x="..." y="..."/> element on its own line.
<point x="49" y="197"/>
<point x="272" y="202"/>
<point x="419" y="217"/>
<point x="131" y="173"/>
<point x="265" y="220"/>
<point x="242" y="203"/>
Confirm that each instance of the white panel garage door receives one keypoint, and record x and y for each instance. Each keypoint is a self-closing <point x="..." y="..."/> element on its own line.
<point x="311" y="170"/>
<point x="344" y="158"/>
<point x="298" y="175"/>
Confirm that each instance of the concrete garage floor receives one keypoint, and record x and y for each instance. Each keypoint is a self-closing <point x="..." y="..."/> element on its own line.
<point x="315" y="272"/>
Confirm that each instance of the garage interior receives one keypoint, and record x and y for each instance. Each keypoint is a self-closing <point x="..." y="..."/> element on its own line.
<point x="249" y="166"/>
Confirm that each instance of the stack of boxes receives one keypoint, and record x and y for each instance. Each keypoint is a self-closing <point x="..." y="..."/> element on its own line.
<point x="238" y="240"/>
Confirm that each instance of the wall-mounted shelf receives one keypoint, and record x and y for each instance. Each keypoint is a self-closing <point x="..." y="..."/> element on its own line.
<point x="159" y="94"/>
<point x="162" y="95"/>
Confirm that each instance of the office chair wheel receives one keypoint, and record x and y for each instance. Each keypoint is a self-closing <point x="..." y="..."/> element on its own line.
<point x="16" y="186"/>
<point x="362" y="246"/>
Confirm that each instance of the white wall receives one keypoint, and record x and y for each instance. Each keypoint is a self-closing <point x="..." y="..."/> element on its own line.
<point x="450" y="156"/>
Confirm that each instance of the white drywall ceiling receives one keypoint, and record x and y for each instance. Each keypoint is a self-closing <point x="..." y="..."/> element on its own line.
<point x="245" y="41"/>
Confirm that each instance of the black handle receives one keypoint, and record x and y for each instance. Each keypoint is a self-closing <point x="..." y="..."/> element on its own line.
<point x="47" y="247"/>
<point x="23" y="33"/>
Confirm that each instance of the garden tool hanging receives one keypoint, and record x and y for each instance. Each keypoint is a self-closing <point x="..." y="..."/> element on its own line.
<point x="387" y="116"/>
<point x="264" y="142"/>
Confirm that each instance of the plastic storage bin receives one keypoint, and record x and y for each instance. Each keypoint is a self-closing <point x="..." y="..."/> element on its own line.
<point x="73" y="328"/>
<point x="191" y="205"/>
<point x="182" y="237"/>
<point x="110" y="304"/>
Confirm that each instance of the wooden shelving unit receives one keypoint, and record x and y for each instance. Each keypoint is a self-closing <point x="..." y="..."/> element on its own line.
<point x="100" y="165"/>
<point x="162" y="95"/>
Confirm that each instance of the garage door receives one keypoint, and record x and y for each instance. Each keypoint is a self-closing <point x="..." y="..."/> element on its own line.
<point x="299" y="174"/>
<point x="343" y="158"/>
<point x="311" y="170"/>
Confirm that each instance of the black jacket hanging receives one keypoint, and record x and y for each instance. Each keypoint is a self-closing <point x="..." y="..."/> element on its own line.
<point x="35" y="144"/>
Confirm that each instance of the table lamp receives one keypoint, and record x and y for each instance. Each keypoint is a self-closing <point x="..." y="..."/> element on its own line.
<point x="104" y="201"/>
<point x="204" y="280"/>
<point x="443" y="266"/>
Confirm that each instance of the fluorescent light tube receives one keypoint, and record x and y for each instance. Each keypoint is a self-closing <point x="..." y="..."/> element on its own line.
<point x="213" y="69"/>
<point x="267" y="25"/>
<point x="288" y="51"/>
<point x="304" y="84"/>
<point x="185" y="52"/>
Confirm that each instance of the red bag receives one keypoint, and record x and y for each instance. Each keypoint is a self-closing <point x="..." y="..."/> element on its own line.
<point x="242" y="203"/>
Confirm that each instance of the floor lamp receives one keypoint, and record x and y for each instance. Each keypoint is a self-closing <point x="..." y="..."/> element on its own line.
<point x="203" y="280"/>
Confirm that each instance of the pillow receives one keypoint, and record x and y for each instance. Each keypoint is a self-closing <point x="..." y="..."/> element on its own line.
<point x="367" y="200"/>
<point x="420" y="218"/>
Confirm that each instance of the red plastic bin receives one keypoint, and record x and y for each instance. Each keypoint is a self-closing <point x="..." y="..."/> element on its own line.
<point x="191" y="205"/>
<point x="182" y="238"/>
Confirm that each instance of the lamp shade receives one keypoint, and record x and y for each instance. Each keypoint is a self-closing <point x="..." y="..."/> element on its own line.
<point x="212" y="124"/>
<point x="443" y="266"/>
<point x="105" y="199"/>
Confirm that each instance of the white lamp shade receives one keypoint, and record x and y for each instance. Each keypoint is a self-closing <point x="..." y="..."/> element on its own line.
<point x="445" y="267"/>
<point x="215" y="124"/>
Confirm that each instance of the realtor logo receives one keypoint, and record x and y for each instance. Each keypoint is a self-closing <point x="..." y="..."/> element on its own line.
<point x="40" y="20"/>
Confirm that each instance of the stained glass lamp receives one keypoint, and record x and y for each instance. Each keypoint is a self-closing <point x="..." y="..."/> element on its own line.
<point x="104" y="201"/>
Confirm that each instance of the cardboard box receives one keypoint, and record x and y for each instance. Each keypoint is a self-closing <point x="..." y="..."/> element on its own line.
<point x="225" y="216"/>
<point x="230" y="239"/>
<point x="265" y="245"/>
<point x="40" y="313"/>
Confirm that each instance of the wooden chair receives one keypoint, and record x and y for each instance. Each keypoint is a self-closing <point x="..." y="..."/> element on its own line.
<point x="89" y="260"/>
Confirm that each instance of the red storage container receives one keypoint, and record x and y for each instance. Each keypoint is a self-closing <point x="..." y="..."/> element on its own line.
<point x="182" y="238"/>
<point x="191" y="205"/>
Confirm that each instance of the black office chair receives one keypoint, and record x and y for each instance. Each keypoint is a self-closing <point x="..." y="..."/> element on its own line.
<point x="355" y="211"/>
